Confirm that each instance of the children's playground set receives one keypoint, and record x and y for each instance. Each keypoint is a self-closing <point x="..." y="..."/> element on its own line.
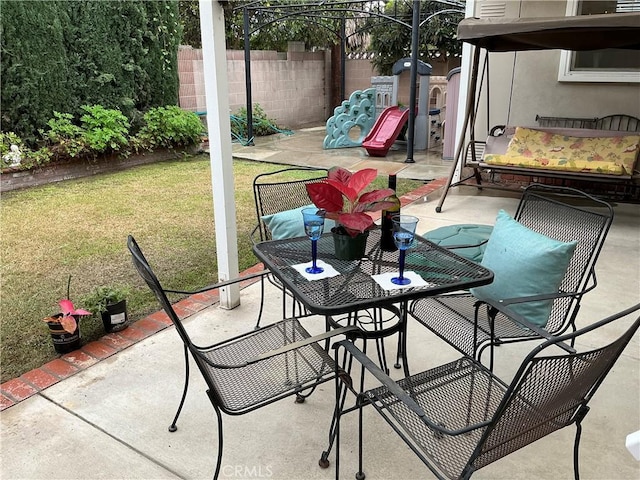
<point x="373" y="120"/>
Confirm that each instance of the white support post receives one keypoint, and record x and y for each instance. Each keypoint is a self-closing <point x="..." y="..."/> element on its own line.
<point x="465" y="75"/>
<point x="217" y="94"/>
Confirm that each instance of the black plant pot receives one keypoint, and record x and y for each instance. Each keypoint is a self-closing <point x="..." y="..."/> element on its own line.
<point x="115" y="318"/>
<point x="63" y="341"/>
<point x="348" y="247"/>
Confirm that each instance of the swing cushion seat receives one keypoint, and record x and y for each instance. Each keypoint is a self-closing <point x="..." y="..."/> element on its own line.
<point x="538" y="149"/>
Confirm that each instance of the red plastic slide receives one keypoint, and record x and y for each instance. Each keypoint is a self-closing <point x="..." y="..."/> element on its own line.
<point x="385" y="131"/>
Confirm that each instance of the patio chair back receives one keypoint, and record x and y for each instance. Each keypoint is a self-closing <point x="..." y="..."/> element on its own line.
<point x="567" y="214"/>
<point x="144" y="270"/>
<point x="460" y="417"/>
<point x="564" y="214"/>
<point x="551" y="391"/>
<point x="276" y="192"/>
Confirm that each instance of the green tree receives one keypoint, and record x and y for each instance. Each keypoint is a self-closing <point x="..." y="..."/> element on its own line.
<point x="190" y="20"/>
<point x="161" y="40"/>
<point x="391" y="41"/>
<point x="272" y="35"/>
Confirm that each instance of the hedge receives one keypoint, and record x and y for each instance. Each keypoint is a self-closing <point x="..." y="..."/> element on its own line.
<point x="59" y="55"/>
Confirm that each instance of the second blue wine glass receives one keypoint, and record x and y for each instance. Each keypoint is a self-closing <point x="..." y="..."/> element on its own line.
<point x="313" y="226"/>
<point x="404" y="230"/>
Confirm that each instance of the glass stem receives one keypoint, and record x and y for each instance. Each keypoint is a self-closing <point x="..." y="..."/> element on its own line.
<point x="314" y="252"/>
<point x="402" y="253"/>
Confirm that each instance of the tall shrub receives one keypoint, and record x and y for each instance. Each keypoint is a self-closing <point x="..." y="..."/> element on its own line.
<point x="34" y="71"/>
<point x="60" y="55"/>
<point x="161" y="39"/>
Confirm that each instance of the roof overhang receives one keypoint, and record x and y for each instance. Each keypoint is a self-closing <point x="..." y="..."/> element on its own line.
<point x="583" y="32"/>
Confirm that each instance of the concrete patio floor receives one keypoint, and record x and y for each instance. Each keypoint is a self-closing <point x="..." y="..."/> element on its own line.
<point x="110" y="420"/>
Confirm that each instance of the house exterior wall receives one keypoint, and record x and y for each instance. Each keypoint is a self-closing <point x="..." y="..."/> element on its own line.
<point x="536" y="89"/>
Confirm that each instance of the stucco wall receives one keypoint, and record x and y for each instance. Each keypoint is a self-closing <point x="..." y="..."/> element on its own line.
<point x="536" y="89"/>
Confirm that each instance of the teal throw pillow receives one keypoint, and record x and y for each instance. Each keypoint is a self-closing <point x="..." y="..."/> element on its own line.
<point x="524" y="263"/>
<point x="289" y="224"/>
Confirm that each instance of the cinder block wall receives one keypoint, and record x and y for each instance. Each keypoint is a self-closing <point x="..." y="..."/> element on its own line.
<point x="358" y="73"/>
<point x="191" y="92"/>
<point x="290" y="87"/>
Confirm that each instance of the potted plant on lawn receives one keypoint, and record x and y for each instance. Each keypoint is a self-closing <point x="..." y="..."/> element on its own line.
<point x="108" y="301"/>
<point x="342" y="194"/>
<point x="64" y="327"/>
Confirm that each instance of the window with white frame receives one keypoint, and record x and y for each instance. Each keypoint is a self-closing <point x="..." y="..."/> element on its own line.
<point x="607" y="65"/>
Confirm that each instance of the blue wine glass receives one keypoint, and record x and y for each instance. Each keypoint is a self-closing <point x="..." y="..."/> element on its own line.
<point x="404" y="230"/>
<point x="313" y="227"/>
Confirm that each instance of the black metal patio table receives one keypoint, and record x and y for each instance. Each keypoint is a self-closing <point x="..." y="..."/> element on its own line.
<point x="355" y="289"/>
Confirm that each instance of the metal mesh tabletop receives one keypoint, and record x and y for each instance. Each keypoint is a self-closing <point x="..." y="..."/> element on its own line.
<point x="354" y="288"/>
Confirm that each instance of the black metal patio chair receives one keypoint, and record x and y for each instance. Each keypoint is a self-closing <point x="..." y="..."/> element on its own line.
<point x="563" y="214"/>
<point x="251" y="370"/>
<point x="277" y="201"/>
<point x="460" y="417"/>
<point x="276" y="197"/>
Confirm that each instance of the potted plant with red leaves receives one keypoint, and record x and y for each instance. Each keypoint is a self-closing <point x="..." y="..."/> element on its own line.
<point x="344" y="197"/>
<point x="64" y="327"/>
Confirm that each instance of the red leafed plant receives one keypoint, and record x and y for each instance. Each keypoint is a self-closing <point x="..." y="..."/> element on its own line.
<point x="67" y="318"/>
<point x="341" y="195"/>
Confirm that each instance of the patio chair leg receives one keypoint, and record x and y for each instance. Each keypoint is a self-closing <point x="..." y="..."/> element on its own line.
<point x="576" y="447"/>
<point x="360" y="475"/>
<point x="382" y="354"/>
<point x="398" y="365"/>
<point x="342" y="379"/>
<point x="336" y="416"/>
<point x="262" y="280"/>
<point x="220" y="442"/>
<point x="301" y="397"/>
<point x="173" y="427"/>
<point x="402" y="342"/>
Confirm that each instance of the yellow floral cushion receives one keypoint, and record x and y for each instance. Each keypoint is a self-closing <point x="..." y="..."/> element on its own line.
<point x="538" y="149"/>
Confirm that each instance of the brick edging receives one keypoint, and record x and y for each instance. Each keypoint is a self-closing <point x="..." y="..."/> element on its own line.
<point x="30" y="383"/>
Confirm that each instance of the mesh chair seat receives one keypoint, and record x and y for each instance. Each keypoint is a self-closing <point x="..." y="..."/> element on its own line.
<point x="241" y="387"/>
<point x="446" y="394"/>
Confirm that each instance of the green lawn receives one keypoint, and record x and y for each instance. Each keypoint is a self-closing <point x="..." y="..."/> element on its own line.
<point x="79" y="228"/>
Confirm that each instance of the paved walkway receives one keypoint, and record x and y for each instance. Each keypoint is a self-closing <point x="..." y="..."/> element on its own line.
<point x="304" y="147"/>
<point x="103" y="412"/>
